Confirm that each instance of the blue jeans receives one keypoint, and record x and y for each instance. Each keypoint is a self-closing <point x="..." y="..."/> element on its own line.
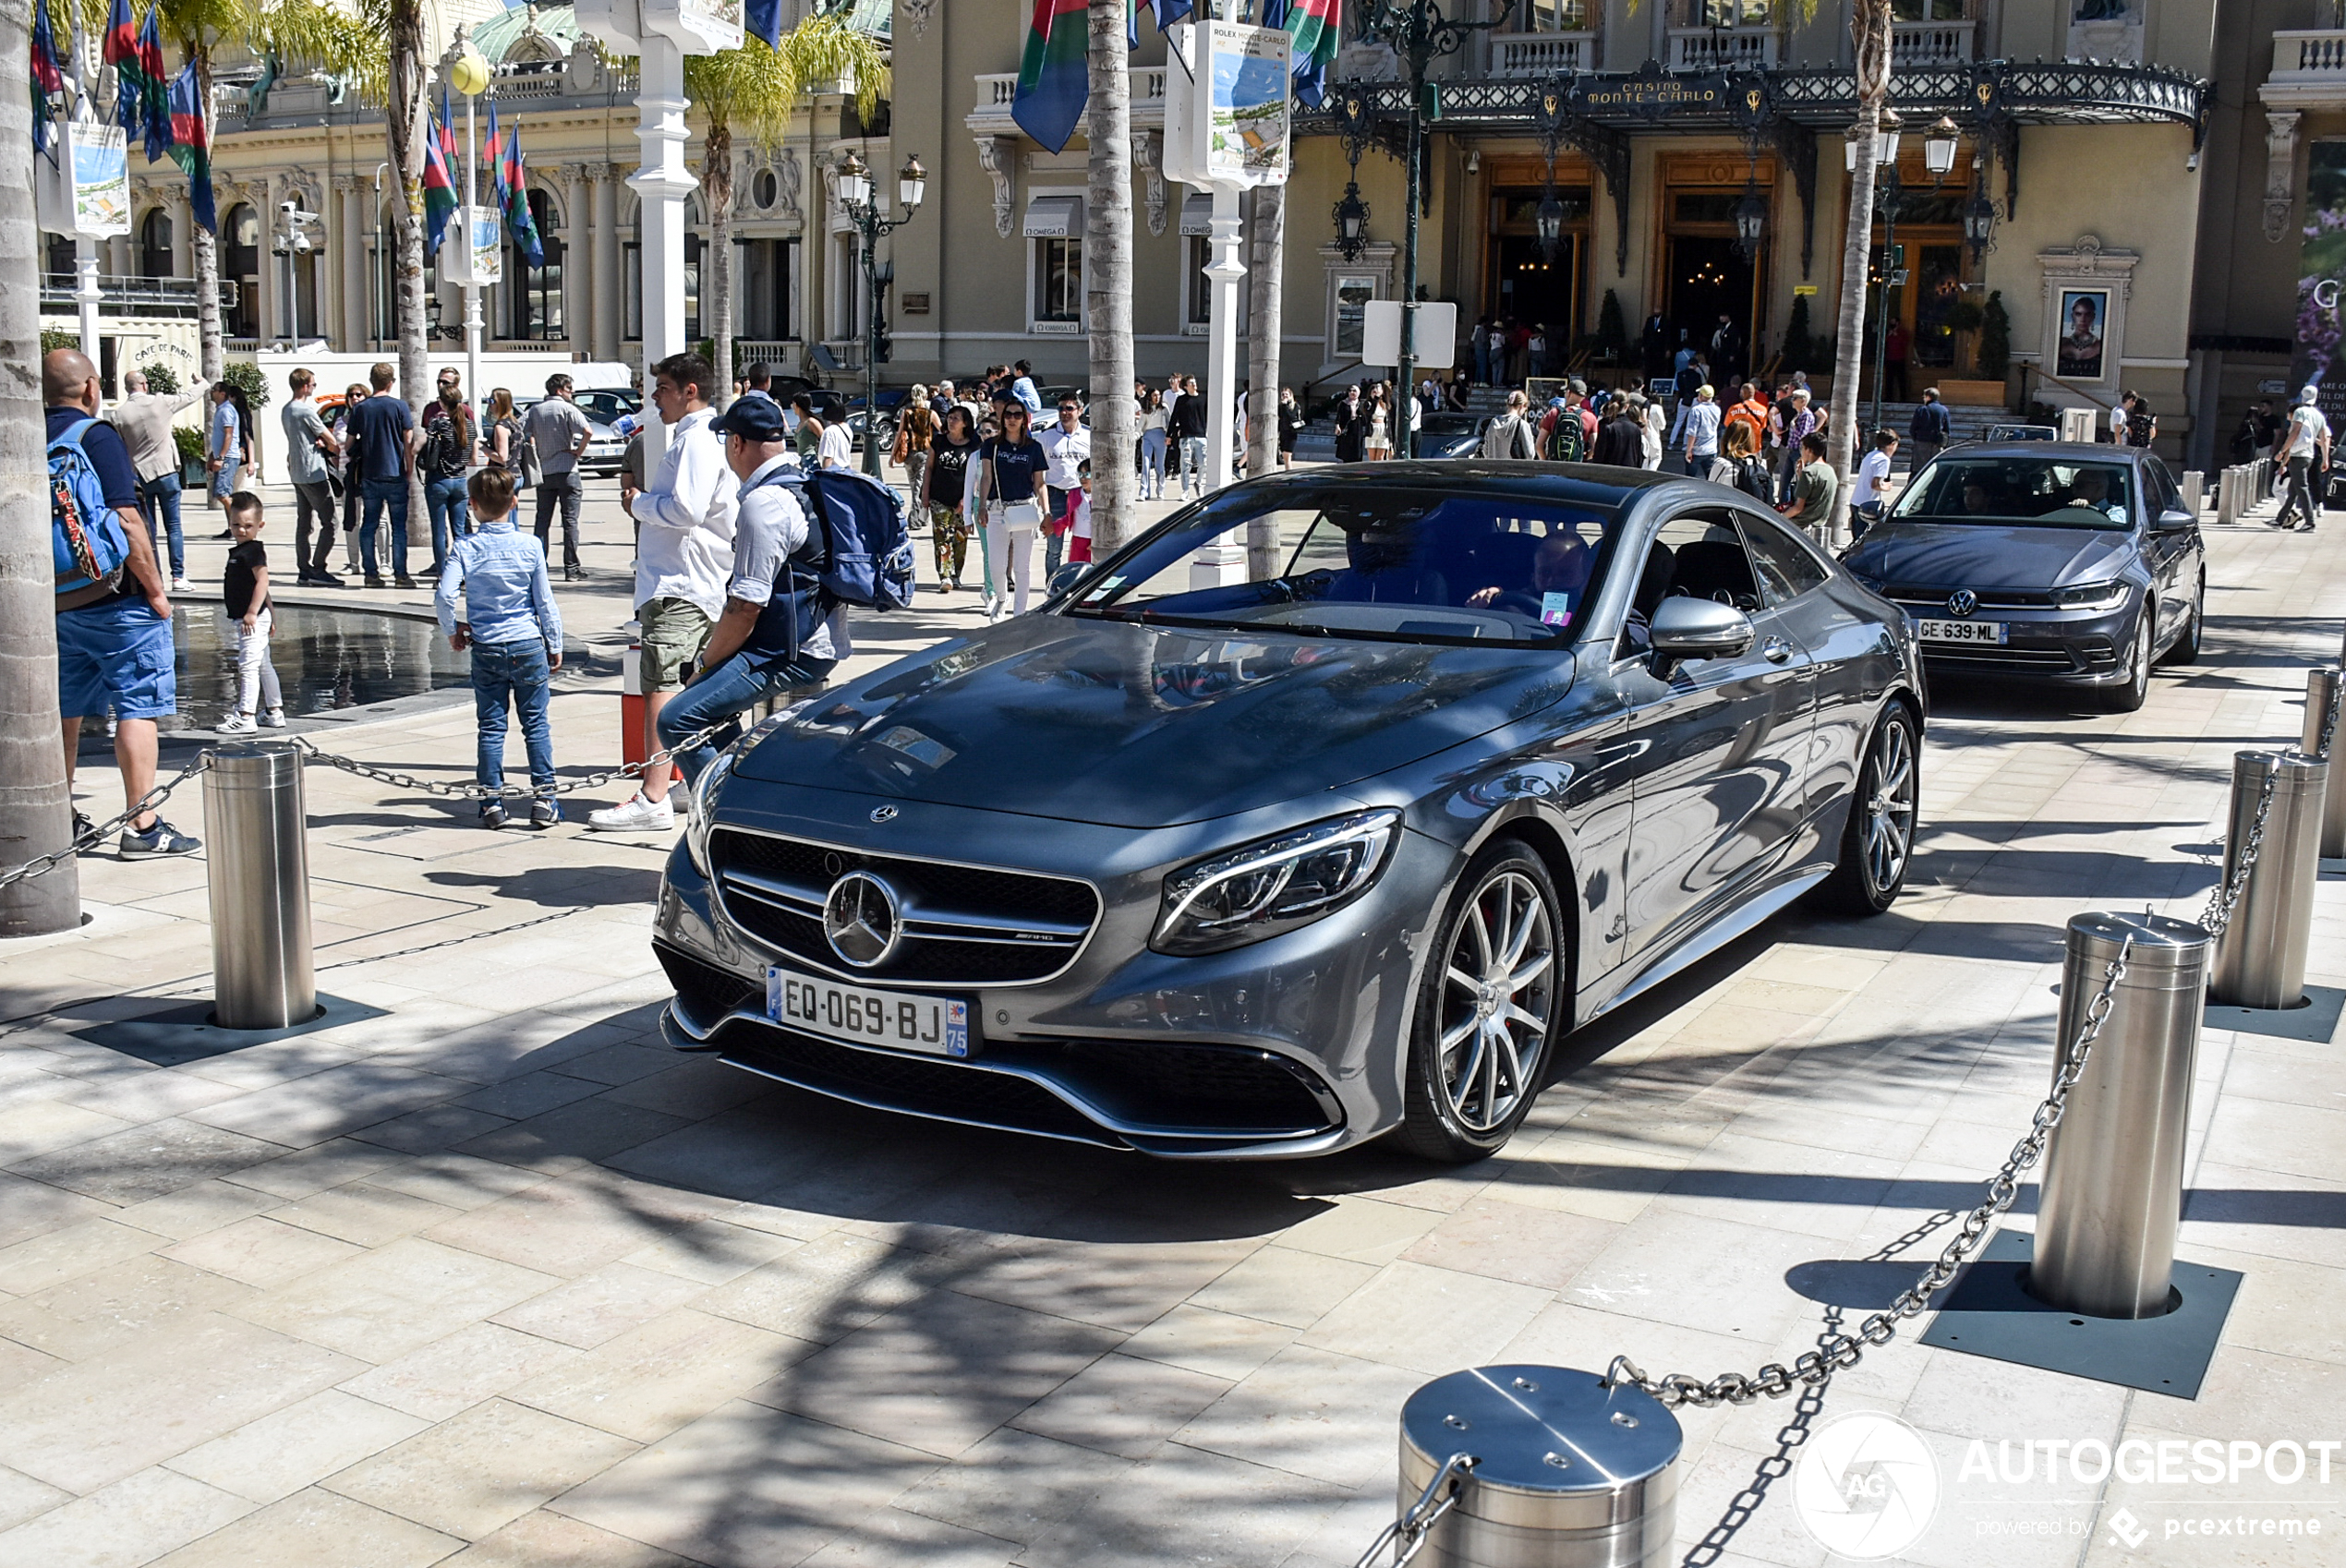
<point x="159" y="501"/>
<point x="730" y="689"/>
<point x="380" y="493"/>
<point x="518" y="671"/>
<point x="444" y="502"/>
<point x="1193" y="463"/>
<point x="1152" y="463"/>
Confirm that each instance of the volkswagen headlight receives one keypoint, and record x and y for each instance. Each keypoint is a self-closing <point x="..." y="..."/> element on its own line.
<point x="1275" y="885"/>
<point x="2107" y="595"/>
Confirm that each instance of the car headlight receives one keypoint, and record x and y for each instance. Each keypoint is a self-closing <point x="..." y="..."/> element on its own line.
<point x="2092" y="596"/>
<point x="701" y="808"/>
<point x="1274" y="884"/>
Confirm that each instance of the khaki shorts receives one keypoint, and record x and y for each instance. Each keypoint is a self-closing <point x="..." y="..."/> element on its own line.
<point x="674" y="632"/>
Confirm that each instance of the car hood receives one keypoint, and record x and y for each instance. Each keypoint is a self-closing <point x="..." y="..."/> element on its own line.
<point x="1976" y="555"/>
<point x="1138" y="726"/>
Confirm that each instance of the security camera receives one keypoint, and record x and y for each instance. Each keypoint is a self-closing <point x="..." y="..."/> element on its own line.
<point x="289" y="207"/>
<point x="301" y="245"/>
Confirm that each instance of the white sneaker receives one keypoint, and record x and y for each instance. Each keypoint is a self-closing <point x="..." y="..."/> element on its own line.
<point x="181" y="585"/>
<point x="237" y="724"/>
<point x="274" y="719"/>
<point x="636" y="815"/>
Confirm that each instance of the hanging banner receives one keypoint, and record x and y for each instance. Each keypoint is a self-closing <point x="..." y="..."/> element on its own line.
<point x="479" y="264"/>
<point x="87" y="191"/>
<point x="2321" y="275"/>
<point x="1228" y="105"/>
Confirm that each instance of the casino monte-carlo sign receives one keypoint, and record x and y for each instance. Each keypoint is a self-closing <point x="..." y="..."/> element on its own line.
<point x="1649" y="96"/>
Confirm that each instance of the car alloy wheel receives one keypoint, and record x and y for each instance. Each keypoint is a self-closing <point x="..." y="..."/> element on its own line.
<point x="1876" y="846"/>
<point x="2131" y="693"/>
<point x="1490" y="1010"/>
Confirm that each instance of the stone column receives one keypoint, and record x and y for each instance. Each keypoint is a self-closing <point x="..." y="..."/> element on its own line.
<point x="577" y="283"/>
<point x="610" y="284"/>
<point x="352" y="237"/>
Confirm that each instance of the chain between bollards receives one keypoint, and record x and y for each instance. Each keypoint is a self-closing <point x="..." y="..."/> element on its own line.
<point x="1407" y="1533"/>
<point x="43" y="865"/>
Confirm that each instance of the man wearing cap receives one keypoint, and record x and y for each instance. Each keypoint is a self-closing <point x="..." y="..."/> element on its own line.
<point x="2308" y="439"/>
<point x="778" y="629"/>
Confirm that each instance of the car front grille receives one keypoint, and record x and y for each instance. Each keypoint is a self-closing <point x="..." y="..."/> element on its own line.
<point x="914" y="1084"/>
<point x="1989" y="656"/>
<point x="963" y="926"/>
<point x="1932" y="602"/>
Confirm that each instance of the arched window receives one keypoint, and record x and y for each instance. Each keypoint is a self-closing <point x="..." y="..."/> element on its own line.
<point x="154" y="244"/>
<point x="240" y="265"/>
<point x="534" y="294"/>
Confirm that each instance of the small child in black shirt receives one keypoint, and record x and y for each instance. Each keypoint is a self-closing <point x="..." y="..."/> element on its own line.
<point x="261" y="704"/>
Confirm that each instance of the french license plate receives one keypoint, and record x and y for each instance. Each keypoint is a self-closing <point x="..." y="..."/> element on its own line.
<point x="935" y="1026"/>
<point x="1964" y="630"/>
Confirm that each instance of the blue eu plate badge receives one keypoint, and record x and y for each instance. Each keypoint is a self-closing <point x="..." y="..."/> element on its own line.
<point x="935" y="1026"/>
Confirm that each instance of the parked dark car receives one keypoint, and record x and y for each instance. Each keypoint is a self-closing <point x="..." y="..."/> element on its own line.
<point x="1450" y="435"/>
<point x="2044" y="560"/>
<point x="1340" y="849"/>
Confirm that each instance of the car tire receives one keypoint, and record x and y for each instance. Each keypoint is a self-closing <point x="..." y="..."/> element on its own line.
<point x="2130" y="694"/>
<point x="2187" y="642"/>
<point x="1465" y="1099"/>
<point x="1878" y="844"/>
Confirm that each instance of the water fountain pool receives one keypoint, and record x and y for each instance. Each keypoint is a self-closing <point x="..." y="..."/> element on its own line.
<point x="326" y="660"/>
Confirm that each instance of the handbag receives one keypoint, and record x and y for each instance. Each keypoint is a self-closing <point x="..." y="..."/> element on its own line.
<point x="1027" y="513"/>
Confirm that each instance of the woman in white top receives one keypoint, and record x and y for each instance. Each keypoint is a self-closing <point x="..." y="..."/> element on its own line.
<point x="1650" y="438"/>
<point x="1156" y="421"/>
<point x="1379" y="444"/>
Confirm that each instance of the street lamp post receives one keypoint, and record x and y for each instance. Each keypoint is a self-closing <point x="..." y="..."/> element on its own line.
<point x="857" y="198"/>
<point x="1420" y="34"/>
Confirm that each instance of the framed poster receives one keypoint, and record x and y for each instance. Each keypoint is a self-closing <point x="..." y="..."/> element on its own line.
<point x="2081" y="354"/>
<point x="481" y="263"/>
<point x="2321" y="272"/>
<point x="86" y="190"/>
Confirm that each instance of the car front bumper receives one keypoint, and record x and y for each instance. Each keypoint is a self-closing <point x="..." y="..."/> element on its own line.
<point x="1287" y="1048"/>
<point x="2065" y="647"/>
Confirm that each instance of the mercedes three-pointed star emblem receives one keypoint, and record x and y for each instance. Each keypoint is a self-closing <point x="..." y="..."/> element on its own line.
<point x="883" y="814"/>
<point x="863" y="920"/>
<point x="1962" y="602"/>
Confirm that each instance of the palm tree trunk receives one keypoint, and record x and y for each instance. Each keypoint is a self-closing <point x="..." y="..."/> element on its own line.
<point x="204" y="246"/>
<point x="1107" y="280"/>
<point x="1262" y="367"/>
<point x="1870" y="30"/>
<point x="716" y="265"/>
<point x="406" y="128"/>
<point x="34" y="802"/>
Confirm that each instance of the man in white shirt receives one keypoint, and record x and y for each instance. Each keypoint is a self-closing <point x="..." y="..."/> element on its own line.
<point x="778" y="629"/>
<point x="2303" y="451"/>
<point x="144" y="420"/>
<point x="830" y="446"/>
<point x="684" y="548"/>
<point x="1866" y="498"/>
<point x="1068" y="445"/>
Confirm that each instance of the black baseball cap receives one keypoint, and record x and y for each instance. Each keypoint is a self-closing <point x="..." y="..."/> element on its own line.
<point x="751" y="418"/>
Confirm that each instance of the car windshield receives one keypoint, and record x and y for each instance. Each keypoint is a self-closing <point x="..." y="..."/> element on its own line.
<point x="2047" y="491"/>
<point x="1395" y="564"/>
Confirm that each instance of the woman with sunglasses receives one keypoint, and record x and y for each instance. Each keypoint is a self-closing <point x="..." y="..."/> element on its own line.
<point x="1009" y="470"/>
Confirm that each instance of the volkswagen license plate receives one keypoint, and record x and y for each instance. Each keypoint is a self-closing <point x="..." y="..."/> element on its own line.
<point x="1962" y="630"/>
<point x="935" y="1026"/>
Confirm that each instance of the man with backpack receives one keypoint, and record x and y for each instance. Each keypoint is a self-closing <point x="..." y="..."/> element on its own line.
<point x="113" y="614"/>
<point x="1929" y="429"/>
<point x="781" y="628"/>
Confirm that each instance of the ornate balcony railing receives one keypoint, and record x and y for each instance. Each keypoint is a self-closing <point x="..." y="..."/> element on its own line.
<point x="996" y="90"/>
<point x="1915" y="46"/>
<point x="2309" y="62"/>
<point x="1543" y="54"/>
<point x="124" y="292"/>
<point x="1721" y="48"/>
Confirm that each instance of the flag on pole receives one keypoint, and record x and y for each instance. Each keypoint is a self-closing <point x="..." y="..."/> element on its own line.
<point x="439" y="187"/>
<point x="48" y="73"/>
<point x="1315" y="26"/>
<point x="1167" y="12"/>
<point x="512" y="188"/>
<point x="121" y="52"/>
<point x="191" y="145"/>
<point x="763" y="18"/>
<point x="1054" y="76"/>
<point x="156" y="110"/>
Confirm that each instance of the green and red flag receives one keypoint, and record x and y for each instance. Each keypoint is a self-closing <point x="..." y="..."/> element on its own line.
<point x="1316" y="28"/>
<point x="191" y="145"/>
<point x="1054" y="80"/>
<point x="439" y="185"/>
<point x="157" y="108"/>
<point x="48" y="73"/>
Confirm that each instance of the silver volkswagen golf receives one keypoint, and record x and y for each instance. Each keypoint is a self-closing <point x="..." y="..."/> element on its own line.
<point x="1321" y="812"/>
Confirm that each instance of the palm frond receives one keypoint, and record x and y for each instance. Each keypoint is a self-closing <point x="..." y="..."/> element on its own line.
<point x="751" y="90"/>
<point x="824" y="48"/>
<point x="324" y="35"/>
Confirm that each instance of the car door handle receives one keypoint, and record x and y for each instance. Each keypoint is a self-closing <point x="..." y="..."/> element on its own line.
<point x="1775" y="650"/>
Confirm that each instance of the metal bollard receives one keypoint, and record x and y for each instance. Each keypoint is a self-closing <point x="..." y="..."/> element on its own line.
<point x="1567" y="1473"/>
<point x="2322" y="696"/>
<point x="259" y="874"/>
<point x="2228" y="496"/>
<point x="2113" y="1183"/>
<point x="2260" y="959"/>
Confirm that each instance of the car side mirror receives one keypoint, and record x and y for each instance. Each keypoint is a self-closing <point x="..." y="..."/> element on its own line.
<point x="1689" y="628"/>
<point x="2176" y="518"/>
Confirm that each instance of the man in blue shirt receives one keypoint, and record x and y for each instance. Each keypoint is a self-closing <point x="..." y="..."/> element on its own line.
<point x="1023" y="389"/>
<point x="385" y="432"/>
<point x="115" y="653"/>
<point x="515" y="634"/>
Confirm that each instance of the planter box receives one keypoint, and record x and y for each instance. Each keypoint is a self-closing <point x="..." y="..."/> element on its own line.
<point x="1972" y="395"/>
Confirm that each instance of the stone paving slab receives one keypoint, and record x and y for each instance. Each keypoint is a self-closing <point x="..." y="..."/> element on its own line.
<point x="495" y="1279"/>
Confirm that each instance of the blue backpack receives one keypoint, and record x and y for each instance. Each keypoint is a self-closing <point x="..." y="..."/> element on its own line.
<point x="84" y="534"/>
<point x="867" y="546"/>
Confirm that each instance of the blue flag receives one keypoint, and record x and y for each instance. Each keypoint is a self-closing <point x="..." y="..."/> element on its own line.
<point x="763" y="18"/>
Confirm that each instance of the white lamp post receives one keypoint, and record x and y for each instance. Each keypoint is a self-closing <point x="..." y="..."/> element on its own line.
<point x="468" y="74"/>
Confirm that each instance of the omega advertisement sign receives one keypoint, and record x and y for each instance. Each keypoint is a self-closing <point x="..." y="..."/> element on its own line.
<point x="2321" y="319"/>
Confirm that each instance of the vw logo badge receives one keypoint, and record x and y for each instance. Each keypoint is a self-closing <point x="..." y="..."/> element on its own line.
<point x="883" y="814"/>
<point x="862" y="920"/>
<point x="1962" y="602"/>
